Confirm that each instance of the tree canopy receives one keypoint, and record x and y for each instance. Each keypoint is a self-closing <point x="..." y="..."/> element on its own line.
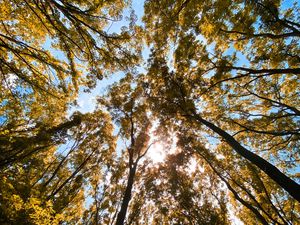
<point x="205" y="130"/>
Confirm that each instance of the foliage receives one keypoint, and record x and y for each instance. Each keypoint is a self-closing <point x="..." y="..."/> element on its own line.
<point x="221" y="87"/>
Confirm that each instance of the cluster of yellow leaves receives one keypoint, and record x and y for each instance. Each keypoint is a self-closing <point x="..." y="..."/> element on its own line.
<point x="32" y="210"/>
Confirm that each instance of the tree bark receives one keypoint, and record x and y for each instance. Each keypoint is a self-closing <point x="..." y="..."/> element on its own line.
<point x="127" y="196"/>
<point x="275" y="174"/>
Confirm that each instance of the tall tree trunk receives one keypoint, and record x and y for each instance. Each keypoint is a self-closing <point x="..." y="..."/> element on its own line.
<point x="235" y="193"/>
<point x="127" y="196"/>
<point x="275" y="174"/>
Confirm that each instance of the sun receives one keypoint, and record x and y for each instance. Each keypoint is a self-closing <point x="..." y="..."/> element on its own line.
<point x="156" y="153"/>
<point x="159" y="150"/>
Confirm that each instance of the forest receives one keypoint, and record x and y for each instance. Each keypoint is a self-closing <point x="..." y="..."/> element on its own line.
<point x="153" y="112"/>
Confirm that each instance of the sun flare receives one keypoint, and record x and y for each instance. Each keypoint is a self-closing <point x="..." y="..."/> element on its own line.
<point x="159" y="150"/>
<point x="157" y="153"/>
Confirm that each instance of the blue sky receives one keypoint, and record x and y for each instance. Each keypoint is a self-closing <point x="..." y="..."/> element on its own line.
<point x="86" y="101"/>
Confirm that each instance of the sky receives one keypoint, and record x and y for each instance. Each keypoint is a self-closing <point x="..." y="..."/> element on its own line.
<point x="86" y="101"/>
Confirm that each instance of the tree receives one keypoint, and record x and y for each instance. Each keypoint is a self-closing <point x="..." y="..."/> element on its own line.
<point x="48" y="50"/>
<point x="182" y="194"/>
<point x="18" y="146"/>
<point x="74" y="28"/>
<point x="258" y="199"/>
<point x="130" y="112"/>
<point x="247" y="105"/>
<point x="51" y="183"/>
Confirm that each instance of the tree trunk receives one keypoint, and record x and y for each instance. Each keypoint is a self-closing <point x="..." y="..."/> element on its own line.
<point x="127" y="196"/>
<point x="275" y="174"/>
